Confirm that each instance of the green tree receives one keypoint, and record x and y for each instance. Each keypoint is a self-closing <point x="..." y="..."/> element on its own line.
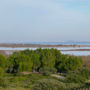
<point x="47" y="58"/>
<point x="1" y="72"/>
<point x="68" y="63"/>
<point x="3" y="62"/>
<point x="36" y="62"/>
<point x="19" y="62"/>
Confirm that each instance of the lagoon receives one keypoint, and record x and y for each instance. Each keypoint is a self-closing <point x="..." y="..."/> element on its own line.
<point x="10" y="50"/>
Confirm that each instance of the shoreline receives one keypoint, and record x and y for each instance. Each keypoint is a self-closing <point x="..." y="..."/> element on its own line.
<point x="76" y="50"/>
<point x="9" y="52"/>
<point x="8" y="49"/>
<point x="39" y="45"/>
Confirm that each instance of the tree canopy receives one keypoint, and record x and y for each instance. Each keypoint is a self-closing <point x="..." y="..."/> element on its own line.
<point x="34" y="60"/>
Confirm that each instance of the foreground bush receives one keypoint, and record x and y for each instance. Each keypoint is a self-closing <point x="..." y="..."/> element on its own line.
<point x="78" y="76"/>
<point x="2" y="80"/>
<point x="3" y="83"/>
<point x="47" y="84"/>
<point x="84" y="72"/>
<point x="74" y="78"/>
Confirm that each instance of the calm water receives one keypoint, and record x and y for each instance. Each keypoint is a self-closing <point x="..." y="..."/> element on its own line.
<point x="61" y="43"/>
<point x="76" y="53"/>
<point x="59" y="48"/>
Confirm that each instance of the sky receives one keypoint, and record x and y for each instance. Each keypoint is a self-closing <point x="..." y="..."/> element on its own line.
<point x="44" y="20"/>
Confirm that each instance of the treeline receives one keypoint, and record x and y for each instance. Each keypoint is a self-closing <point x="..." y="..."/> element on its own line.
<point x="36" y="60"/>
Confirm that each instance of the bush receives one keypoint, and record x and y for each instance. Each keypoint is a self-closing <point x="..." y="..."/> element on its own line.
<point x="3" y="83"/>
<point x="2" y="80"/>
<point x="1" y="72"/>
<point x="74" y="78"/>
<point x="18" y="79"/>
<point x="78" y="76"/>
<point x="84" y="72"/>
<point x="47" y="71"/>
<point x="47" y="84"/>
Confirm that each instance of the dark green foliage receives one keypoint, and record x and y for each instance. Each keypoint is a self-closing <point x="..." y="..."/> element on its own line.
<point x="24" y="81"/>
<point x="29" y="64"/>
<point x="34" y="60"/>
<point x="68" y="63"/>
<point x="74" y="78"/>
<point x="3" y="82"/>
<point x="27" y="81"/>
<point x="47" y="58"/>
<point x="19" y="62"/>
<point x="47" y="71"/>
<point x="84" y="72"/>
<point x="3" y="62"/>
<point x="78" y="76"/>
<point x="47" y="84"/>
<point x="1" y="72"/>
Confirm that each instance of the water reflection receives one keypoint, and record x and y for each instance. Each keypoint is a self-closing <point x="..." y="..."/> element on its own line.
<point x="76" y="53"/>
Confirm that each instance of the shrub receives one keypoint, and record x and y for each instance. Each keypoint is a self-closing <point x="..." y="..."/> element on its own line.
<point x="48" y="71"/>
<point x="1" y="72"/>
<point x="47" y="84"/>
<point x="18" y="79"/>
<point x="74" y="78"/>
<point x="78" y="76"/>
<point x="84" y="72"/>
<point x="3" y="83"/>
<point x="73" y="86"/>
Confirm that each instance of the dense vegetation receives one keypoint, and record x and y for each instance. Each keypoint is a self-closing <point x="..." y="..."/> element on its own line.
<point x="30" y="60"/>
<point x="35" y="68"/>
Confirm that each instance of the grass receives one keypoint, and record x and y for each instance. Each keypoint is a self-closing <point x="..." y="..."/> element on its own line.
<point x="86" y="60"/>
<point x="16" y="88"/>
<point x="22" y="82"/>
<point x="25" y="82"/>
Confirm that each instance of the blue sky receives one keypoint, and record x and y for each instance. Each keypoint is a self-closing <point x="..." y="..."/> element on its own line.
<point x="44" y="20"/>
